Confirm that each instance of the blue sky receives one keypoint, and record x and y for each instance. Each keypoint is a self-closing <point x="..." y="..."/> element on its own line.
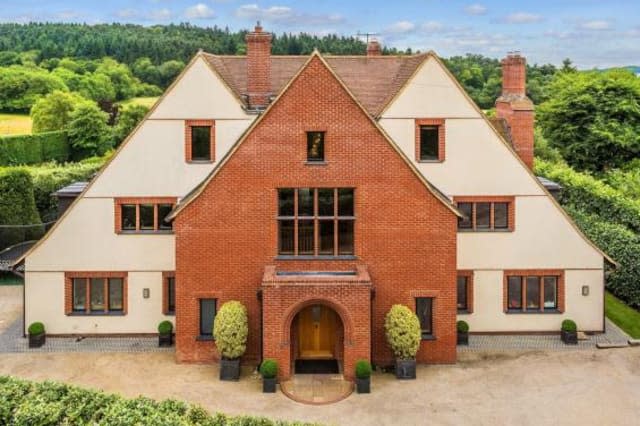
<point x="593" y="33"/>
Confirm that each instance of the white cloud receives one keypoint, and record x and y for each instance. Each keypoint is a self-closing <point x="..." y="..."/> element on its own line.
<point x="432" y="27"/>
<point x="595" y="25"/>
<point x="401" y="27"/>
<point x="127" y="13"/>
<point x="160" y="15"/>
<point x="152" y="15"/>
<point x="522" y="18"/>
<point x="199" y="11"/>
<point x="475" y="9"/>
<point x="285" y="14"/>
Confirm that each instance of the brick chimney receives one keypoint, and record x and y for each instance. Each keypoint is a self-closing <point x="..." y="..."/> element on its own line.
<point x="515" y="107"/>
<point x="258" y="67"/>
<point x="374" y="48"/>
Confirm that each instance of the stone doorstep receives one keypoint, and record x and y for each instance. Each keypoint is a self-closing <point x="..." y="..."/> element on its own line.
<point x="611" y="345"/>
<point x="634" y="342"/>
<point x="583" y="336"/>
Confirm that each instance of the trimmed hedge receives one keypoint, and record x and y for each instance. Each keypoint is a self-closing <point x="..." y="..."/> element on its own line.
<point x="402" y="330"/>
<point x="34" y="149"/>
<point x="589" y="194"/>
<point x="230" y="329"/>
<point x="623" y="245"/>
<point x="17" y="207"/>
<point x="25" y="403"/>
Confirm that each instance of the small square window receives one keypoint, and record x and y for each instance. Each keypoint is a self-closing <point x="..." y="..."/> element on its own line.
<point x="201" y="143"/>
<point x="315" y="146"/>
<point x="429" y="143"/>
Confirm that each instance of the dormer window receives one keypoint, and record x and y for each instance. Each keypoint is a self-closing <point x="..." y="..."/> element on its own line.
<point x="315" y="146"/>
<point x="200" y="141"/>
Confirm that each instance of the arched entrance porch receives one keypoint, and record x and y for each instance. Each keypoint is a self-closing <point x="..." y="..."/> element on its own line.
<point x="317" y="340"/>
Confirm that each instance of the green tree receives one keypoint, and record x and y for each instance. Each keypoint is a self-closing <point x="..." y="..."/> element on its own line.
<point x="169" y="70"/>
<point x="21" y="86"/>
<point x="17" y="207"/>
<point x="88" y="131"/>
<point x="593" y="118"/>
<point x="53" y="112"/>
<point x="97" y="87"/>
<point x="128" y="119"/>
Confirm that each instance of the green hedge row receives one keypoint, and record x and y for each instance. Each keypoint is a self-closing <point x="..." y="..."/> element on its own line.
<point x="24" y="403"/>
<point x="17" y="207"/>
<point x="34" y="149"/>
<point x="589" y="194"/>
<point x="620" y="243"/>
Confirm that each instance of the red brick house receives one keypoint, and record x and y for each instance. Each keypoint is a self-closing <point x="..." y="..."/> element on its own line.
<point x="319" y="191"/>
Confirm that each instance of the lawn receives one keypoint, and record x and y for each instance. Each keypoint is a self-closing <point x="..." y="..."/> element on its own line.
<point x="625" y="317"/>
<point x="15" y="124"/>
<point x="148" y="101"/>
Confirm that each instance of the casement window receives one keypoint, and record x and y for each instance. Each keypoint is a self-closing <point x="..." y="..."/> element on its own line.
<point x="143" y="215"/>
<point x="486" y="213"/>
<point x="200" y="140"/>
<point x="316" y="221"/>
<point x="430" y="140"/>
<point x="465" y="292"/>
<point x="534" y="291"/>
<point x="315" y="146"/>
<point x="207" y="316"/>
<point x="169" y="293"/>
<point x="95" y="293"/>
<point x="424" y="311"/>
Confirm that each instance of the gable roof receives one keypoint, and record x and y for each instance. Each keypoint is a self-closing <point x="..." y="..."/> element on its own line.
<point x="372" y="80"/>
<point x="192" y="195"/>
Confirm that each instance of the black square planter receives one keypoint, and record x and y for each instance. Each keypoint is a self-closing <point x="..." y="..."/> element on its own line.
<point x="230" y="369"/>
<point x="269" y="385"/>
<point x="405" y="369"/>
<point x="363" y="385"/>
<point x="463" y="338"/>
<point x="165" y="340"/>
<point x="36" y="341"/>
<point x="569" y="337"/>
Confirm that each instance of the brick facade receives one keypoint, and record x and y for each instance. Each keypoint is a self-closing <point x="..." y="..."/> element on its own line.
<point x="404" y="236"/>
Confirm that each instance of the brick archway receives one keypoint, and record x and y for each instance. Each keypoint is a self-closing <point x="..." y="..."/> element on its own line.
<point x="283" y="297"/>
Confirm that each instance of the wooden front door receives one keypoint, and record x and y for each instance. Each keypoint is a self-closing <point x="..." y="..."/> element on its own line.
<point x="317" y="332"/>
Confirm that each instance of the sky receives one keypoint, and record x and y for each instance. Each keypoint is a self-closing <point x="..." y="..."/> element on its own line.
<point x="592" y="33"/>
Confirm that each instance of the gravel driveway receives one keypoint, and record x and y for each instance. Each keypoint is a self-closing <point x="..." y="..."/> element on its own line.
<point x="582" y="388"/>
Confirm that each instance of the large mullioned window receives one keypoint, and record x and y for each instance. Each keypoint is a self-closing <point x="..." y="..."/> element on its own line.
<point x="315" y="221"/>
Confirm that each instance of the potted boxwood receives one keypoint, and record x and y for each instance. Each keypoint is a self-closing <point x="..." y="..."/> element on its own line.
<point x="569" y="332"/>
<point x="37" y="336"/>
<point x="463" y="332"/>
<point x="269" y="373"/>
<point x="230" y="330"/>
<point x="165" y="333"/>
<point x="363" y="376"/>
<point x="402" y="329"/>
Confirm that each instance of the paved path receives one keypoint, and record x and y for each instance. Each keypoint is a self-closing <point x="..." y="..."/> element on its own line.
<point x="480" y="343"/>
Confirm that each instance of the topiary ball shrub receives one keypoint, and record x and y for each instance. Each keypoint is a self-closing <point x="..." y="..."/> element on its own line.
<point x="569" y="326"/>
<point x="363" y="369"/>
<point x="402" y="329"/>
<point x="269" y="368"/>
<point x="462" y="327"/>
<point x="165" y="327"/>
<point x="230" y="329"/>
<point x="36" y="329"/>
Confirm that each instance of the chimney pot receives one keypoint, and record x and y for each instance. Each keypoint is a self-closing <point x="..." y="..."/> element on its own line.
<point x="374" y="48"/>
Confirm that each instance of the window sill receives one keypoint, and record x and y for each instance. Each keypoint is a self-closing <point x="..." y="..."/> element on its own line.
<point x="435" y="160"/>
<point x="160" y="232"/>
<point x="200" y="161"/>
<point x="170" y="313"/>
<point x="315" y="163"/>
<point x="321" y="257"/>
<point x="428" y="338"/>
<point x="205" y="339"/>
<point x="96" y="314"/>
<point x="485" y="231"/>
<point x="521" y="312"/>
<point x="464" y="312"/>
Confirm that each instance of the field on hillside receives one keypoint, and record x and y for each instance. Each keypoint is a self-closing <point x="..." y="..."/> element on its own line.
<point x="15" y="124"/>
<point x="144" y="101"/>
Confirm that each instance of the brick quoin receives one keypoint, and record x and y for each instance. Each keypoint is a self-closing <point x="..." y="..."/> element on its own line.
<point x="405" y="238"/>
